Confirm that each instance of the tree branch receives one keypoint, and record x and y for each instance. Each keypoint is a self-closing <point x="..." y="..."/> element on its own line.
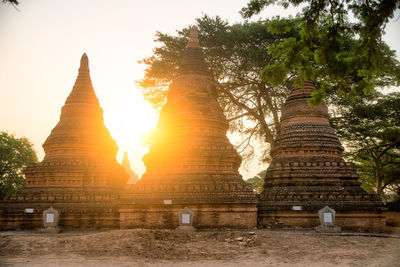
<point x="270" y="105"/>
<point x="388" y="148"/>
<point x="389" y="182"/>
<point x="238" y="117"/>
<point x="248" y="139"/>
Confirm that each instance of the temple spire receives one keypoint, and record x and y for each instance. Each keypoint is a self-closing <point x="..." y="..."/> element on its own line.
<point x="193" y="61"/>
<point x="125" y="161"/>
<point x="83" y="89"/>
<point x="133" y="177"/>
<point x="81" y="124"/>
<point x="80" y="145"/>
<point x="194" y="38"/>
<point x="84" y="62"/>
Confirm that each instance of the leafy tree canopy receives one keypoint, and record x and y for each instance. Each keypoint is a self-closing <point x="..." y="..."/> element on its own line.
<point x="15" y="155"/>
<point x="343" y="55"/>
<point x="370" y="128"/>
<point x="13" y="2"/>
<point x="235" y="55"/>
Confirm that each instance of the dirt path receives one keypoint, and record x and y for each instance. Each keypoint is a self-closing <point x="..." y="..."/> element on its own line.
<point x="140" y="247"/>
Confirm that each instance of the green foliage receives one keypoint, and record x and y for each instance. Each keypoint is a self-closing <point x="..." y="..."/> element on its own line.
<point x="370" y="127"/>
<point x="254" y="65"/>
<point x="13" y="2"/>
<point x="257" y="182"/>
<point x="347" y="57"/>
<point x="15" y="155"/>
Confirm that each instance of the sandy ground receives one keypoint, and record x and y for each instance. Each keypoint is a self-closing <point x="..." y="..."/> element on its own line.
<point x="141" y="247"/>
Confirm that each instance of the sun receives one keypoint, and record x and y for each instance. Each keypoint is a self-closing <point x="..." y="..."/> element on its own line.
<point x="129" y="117"/>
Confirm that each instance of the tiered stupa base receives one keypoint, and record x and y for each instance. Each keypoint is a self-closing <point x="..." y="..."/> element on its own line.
<point x="352" y="221"/>
<point x="293" y="200"/>
<point x="78" y="209"/>
<point x="207" y="216"/>
<point x="302" y="212"/>
<point x="215" y="203"/>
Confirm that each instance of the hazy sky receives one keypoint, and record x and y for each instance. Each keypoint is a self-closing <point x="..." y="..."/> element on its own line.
<point x="41" y="45"/>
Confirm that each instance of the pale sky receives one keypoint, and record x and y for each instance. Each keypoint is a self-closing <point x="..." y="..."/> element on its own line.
<point x="41" y="45"/>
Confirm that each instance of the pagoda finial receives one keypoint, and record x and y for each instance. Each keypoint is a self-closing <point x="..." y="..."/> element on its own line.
<point x="125" y="157"/>
<point x="194" y="38"/>
<point x="125" y="161"/>
<point x="84" y="62"/>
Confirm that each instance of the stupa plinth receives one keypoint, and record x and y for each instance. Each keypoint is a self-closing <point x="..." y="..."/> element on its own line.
<point x="79" y="175"/>
<point x="308" y="172"/>
<point x="191" y="163"/>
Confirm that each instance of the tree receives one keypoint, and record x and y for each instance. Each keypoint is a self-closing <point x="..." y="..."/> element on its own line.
<point x="339" y="54"/>
<point x="235" y="55"/>
<point x="257" y="182"/>
<point x="15" y="155"/>
<point x="350" y="59"/>
<point x="14" y="2"/>
<point x="370" y="128"/>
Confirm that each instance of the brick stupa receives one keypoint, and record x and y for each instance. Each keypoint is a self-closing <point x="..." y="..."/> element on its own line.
<point x="308" y="172"/>
<point x="191" y="162"/>
<point x="79" y="175"/>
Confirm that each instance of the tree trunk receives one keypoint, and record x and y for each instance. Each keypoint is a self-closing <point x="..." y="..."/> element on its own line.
<point x="378" y="179"/>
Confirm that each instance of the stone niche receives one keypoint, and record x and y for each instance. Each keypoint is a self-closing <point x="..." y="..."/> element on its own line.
<point x="185" y="217"/>
<point x="50" y="220"/>
<point x="327" y="221"/>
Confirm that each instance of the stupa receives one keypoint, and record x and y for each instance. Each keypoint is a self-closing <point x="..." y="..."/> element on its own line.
<point x="191" y="163"/>
<point x="308" y="172"/>
<point x="79" y="175"/>
<point x="133" y="177"/>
